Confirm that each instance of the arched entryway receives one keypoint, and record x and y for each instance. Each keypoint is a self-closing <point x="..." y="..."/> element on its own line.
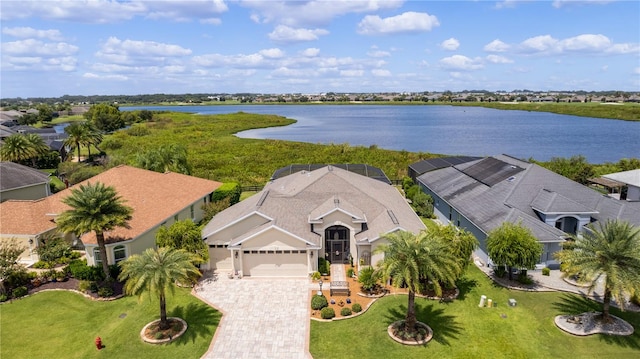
<point x="336" y="244"/>
<point x="567" y="224"/>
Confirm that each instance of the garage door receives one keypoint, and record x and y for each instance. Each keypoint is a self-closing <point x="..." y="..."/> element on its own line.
<point x="220" y="258"/>
<point x="275" y="263"/>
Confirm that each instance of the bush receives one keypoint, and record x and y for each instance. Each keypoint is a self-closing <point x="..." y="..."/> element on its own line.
<point x="318" y="302"/>
<point x="84" y="286"/>
<point x="3" y="298"/>
<point x="105" y="291"/>
<point x="368" y="279"/>
<point x="43" y="265"/>
<point x="546" y="271"/>
<point x="324" y="266"/>
<point x="20" y="292"/>
<point x="524" y="278"/>
<point x="356" y="307"/>
<point x="81" y="271"/>
<point x="345" y="312"/>
<point x="315" y="275"/>
<point x="229" y="190"/>
<point x="499" y="271"/>
<point x="327" y="313"/>
<point x="350" y="272"/>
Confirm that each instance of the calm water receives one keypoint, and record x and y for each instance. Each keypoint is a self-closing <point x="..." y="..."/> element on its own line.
<point x="450" y="130"/>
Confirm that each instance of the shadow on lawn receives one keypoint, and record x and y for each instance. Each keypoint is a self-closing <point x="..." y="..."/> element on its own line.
<point x="465" y="285"/>
<point x="199" y="318"/>
<point x="575" y="304"/>
<point x="444" y="326"/>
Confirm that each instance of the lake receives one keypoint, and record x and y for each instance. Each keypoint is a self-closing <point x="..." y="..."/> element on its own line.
<point x="451" y="130"/>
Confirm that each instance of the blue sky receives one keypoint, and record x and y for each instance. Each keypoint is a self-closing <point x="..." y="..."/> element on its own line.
<point x="99" y="47"/>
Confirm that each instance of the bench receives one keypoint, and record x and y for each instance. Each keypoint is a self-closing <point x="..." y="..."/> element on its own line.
<point x="341" y="288"/>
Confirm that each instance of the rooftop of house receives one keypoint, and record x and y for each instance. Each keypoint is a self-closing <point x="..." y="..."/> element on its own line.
<point x="293" y="202"/>
<point x="154" y="197"/>
<point x="14" y="176"/>
<point x="519" y="189"/>
<point x="631" y="178"/>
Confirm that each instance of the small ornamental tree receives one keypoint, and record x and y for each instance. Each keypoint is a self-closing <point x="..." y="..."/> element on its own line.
<point x="513" y="245"/>
<point x="184" y="235"/>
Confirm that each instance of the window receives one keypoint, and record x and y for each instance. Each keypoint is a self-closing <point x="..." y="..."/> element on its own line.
<point x="96" y="257"/>
<point x="119" y="253"/>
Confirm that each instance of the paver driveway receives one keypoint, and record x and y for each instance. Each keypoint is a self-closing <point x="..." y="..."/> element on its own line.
<point x="263" y="318"/>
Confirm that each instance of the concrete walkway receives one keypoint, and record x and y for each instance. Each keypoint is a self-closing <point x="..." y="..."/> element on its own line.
<point x="337" y="273"/>
<point x="554" y="282"/>
<point x="262" y="318"/>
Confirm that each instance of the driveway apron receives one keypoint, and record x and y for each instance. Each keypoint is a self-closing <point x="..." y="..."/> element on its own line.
<point x="262" y="318"/>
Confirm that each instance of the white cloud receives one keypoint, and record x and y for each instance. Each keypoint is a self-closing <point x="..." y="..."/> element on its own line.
<point x="496" y="46"/>
<point x="585" y="43"/>
<point x="211" y="21"/>
<point x="288" y="34"/>
<point x="451" y="44"/>
<point x="25" y="32"/>
<point x="407" y="22"/>
<point x="273" y="53"/>
<point x="461" y="63"/>
<point x="146" y="48"/>
<point x="310" y="52"/>
<point x="378" y="53"/>
<point x="560" y="3"/>
<point x="352" y="73"/>
<point x="497" y="59"/>
<point x="636" y="70"/>
<point x="32" y="47"/>
<point x="313" y="12"/>
<point x="183" y="11"/>
<point x="381" y="73"/>
<point x="233" y="61"/>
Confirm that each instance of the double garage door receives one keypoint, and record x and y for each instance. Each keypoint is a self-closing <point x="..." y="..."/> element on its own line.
<point x="275" y="263"/>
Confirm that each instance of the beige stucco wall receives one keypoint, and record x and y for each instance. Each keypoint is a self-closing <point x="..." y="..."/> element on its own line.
<point x="147" y="239"/>
<point x="237" y="229"/>
<point x="273" y="239"/>
<point x="26" y="193"/>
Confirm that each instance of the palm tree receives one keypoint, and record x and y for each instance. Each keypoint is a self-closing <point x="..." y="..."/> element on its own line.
<point x="156" y="271"/>
<point x="612" y="250"/>
<point x="17" y="148"/>
<point x="415" y="260"/>
<point x="165" y="158"/>
<point x="94" y="136"/>
<point x="78" y="135"/>
<point x="95" y="208"/>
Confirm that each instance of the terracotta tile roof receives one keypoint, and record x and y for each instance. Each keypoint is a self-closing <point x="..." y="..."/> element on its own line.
<point x="154" y="197"/>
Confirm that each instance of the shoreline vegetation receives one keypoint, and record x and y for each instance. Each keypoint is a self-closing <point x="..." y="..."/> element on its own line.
<point x="607" y="110"/>
<point x="216" y="153"/>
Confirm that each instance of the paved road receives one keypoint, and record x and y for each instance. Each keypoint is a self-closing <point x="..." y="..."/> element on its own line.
<point x="263" y="318"/>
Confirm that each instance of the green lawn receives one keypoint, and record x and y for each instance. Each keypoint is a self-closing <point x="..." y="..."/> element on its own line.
<point x="63" y="324"/>
<point x="462" y="330"/>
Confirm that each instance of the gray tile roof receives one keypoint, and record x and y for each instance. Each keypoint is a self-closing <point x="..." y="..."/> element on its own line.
<point x="517" y="196"/>
<point x="13" y="175"/>
<point x="289" y="203"/>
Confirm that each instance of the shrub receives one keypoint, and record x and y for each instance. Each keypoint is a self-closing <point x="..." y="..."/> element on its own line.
<point x="356" y="307"/>
<point x="318" y="302"/>
<point x="524" y="278"/>
<point x="499" y="271"/>
<point x="80" y="270"/>
<point x="368" y="279"/>
<point x="106" y="291"/>
<point x="43" y="265"/>
<point x="20" y="292"/>
<point x="345" y="312"/>
<point x="350" y="272"/>
<point x="327" y="313"/>
<point x="324" y="266"/>
<point x="546" y="271"/>
<point x="229" y="190"/>
<point x="3" y="298"/>
<point x="315" y="275"/>
<point x="84" y="286"/>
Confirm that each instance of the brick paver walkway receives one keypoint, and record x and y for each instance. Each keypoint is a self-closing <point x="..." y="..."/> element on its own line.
<point x="263" y="318"/>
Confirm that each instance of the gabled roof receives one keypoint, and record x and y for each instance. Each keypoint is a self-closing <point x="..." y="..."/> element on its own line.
<point x="14" y="175"/>
<point x="439" y="162"/>
<point x="154" y="197"/>
<point x="628" y="177"/>
<point x="292" y="201"/>
<point x="487" y="206"/>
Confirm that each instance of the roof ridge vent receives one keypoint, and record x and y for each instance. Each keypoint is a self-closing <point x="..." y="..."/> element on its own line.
<point x="392" y="216"/>
<point x="262" y="198"/>
<point x="336" y="201"/>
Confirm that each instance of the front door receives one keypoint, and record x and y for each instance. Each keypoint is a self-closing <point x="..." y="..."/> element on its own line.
<point x="337" y="251"/>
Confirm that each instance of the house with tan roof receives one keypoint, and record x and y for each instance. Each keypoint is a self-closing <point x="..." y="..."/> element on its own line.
<point x="157" y="199"/>
<point x="328" y="212"/>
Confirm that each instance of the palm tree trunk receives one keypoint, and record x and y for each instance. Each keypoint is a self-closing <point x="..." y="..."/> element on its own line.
<point x="606" y="300"/>
<point x="164" y="324"/>
<point x="410" y="320"/>
<point x="103" y="254"/>
<point x="510" y="274"/>
<point x="78" y="146"/>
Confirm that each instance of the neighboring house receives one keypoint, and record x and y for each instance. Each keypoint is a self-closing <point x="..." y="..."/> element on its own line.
<point x="157" y="199"/>
<point x="631" y="180"/>
<point x="22" y="182"/>
<point x="480" y="195"/>
<point x="329" y="212"/>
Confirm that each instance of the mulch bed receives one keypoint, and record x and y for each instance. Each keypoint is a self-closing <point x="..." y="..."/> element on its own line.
<point x="72" y="284"/>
